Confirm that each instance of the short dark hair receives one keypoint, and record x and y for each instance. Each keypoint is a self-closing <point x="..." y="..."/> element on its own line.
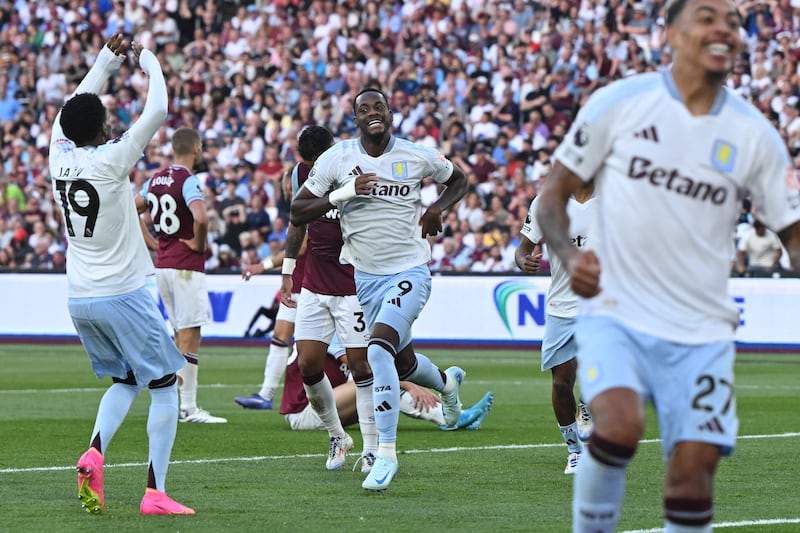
<point x="82" y="118"/>
<point x="369" y="90"/>
<point x="673" y="10"/>
<point x="313" y="141"/>
<point x="184" y="140"/>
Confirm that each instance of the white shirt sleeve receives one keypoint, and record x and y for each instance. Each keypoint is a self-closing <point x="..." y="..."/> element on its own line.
<point x="775" y="185"/>
<point x="441" y="167"/>
<point x="589" y="140"/>
<point x="530" y="228"/>
<point x="323" y="174"/>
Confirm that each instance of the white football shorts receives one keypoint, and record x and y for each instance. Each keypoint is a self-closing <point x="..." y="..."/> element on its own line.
<point x="319" y="316"/>
<point x="185" y="297"/>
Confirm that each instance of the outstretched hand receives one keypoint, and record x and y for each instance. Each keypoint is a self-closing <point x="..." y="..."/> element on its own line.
<point x="423" y="398"/>
<point x="251" y="270"/>
<point x="117" y="44"/>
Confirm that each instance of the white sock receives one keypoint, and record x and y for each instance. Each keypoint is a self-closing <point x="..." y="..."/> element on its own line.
<point x="570" y="434"/>
<point x="162" y="425"/>
<point x="597" y="495"/>
<point x="273" y="371"/>
<point x="407" y="407"/>
<point x="113" y="409"/>
<point x="388" y="450"/>
<point x="366" y="416"/>
<point x="320" y="396"/>
<point x="188" y="383"/>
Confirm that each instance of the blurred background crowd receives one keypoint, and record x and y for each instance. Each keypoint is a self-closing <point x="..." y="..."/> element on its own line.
<point x="493" y="85"/>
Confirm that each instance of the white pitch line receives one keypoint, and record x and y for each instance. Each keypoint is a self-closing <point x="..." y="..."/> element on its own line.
<point x="245" y="386"/>
<point x="312" y="455"/>
<point x="720" y="525"/>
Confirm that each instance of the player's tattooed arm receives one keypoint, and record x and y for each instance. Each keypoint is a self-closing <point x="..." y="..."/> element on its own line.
<point x="295" y="236"/>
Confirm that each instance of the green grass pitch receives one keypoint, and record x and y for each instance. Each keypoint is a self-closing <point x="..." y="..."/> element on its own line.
<point x="255" y="474"/>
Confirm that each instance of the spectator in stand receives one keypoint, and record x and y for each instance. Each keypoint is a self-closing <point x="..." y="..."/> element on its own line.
<point x="228" y="259"/>
<point x="7" y="261"/>
<point x="235" y="224"/>
<point x="258" y="218"/>
<point x="759" y="252"/>
<point x="279" y="230"/>
<point x="485" y="130"/>
<point x="470" y="211"/>
<point x="245" y="72"/>
<point x="482" y="166"/>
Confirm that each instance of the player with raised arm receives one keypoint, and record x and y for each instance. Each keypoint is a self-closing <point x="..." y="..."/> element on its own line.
<point x="376" y="188"/>
<point x="117" y="320"/>
<point x="653" y="328"/>
<point x="558" y="345"/>
<point x="328" y="305"/>
<point x="177" y="208"/>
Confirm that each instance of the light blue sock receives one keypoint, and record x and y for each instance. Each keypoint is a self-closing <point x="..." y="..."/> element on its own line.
<point x="386" y="395"/>
<point x="113" y="409"/>
<point x="426" y="374"/>
<point x="162" y="425"/>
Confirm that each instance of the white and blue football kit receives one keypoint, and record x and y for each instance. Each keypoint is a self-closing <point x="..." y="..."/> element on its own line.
<point x="383" y="241"/>
<point x="107" y="259"/>
<point x="558" y="344"/>
<point x="381" y="232"/>
<point x="663" y="203"/>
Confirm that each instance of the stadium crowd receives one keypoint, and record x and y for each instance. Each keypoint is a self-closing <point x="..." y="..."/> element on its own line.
<point x="493" y="85"/>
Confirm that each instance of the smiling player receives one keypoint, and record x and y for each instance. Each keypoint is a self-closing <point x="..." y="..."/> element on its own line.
<point x="672" y="154"/>
<point x="377" y="181"/>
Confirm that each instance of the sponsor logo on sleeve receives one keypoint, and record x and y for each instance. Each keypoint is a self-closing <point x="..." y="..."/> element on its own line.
<point x="581" y="137"/>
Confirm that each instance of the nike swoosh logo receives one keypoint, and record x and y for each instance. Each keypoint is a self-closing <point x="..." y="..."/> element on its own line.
<point x="381" y="480"/>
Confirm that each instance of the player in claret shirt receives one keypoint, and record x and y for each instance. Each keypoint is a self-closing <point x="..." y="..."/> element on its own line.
<point x="175" y="199"/>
